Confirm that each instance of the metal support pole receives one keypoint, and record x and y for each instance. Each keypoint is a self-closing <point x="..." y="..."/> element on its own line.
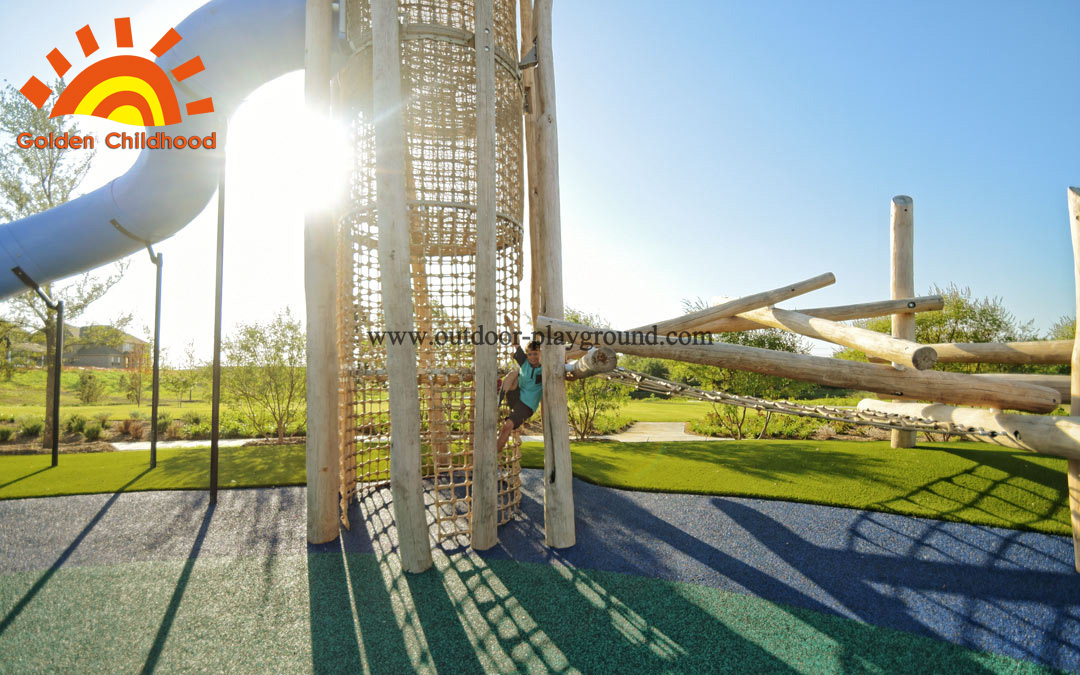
<point x="58" y="307"/>
<point x="215" y="410"/>
<point x="157" y="260"/>
<point x="57" y="371"/>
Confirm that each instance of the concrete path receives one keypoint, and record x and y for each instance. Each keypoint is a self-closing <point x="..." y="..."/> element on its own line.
<point x="145" y="445"/>
<point x="646" y="432"/>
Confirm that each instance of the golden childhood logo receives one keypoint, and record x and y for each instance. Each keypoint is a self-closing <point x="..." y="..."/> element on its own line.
<point x="125" y="88"/>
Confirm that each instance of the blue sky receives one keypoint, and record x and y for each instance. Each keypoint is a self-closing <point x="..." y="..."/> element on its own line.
<point x="720" y="149"/>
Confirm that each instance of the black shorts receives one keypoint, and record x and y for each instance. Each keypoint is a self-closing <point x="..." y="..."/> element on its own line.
<point x="519" y="412"/>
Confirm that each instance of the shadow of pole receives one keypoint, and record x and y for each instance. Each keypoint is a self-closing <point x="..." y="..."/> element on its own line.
<point x="178" y="594"/>
<point x="40" y="583"/>
<point x="24" y="477"/>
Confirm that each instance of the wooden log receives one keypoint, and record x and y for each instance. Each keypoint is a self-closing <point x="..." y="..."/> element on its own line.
<point x="1073" y="468"/>
<point x="923" y="384"/>
<point x="406" y="485"/>
<point x="695" y="320"/>
<point x="865" y="310"/>
<point x="536" y="280"/>
<point x="1045" y="434"/>
<point x="1059" y="383"/>
<point x="320" y="290"/>
<point x="902" y="247"/>
<point x="484" y="509"/>
<point x="1042" y="352"/>
<point x="559" y="527"/>
<point x="904" y="352"/>
<point x="594" y="362"/>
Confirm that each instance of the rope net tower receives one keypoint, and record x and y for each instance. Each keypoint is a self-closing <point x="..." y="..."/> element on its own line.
<point x="439" y="119"/>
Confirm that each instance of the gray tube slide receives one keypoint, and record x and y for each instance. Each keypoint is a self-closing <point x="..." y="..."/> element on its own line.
<point x="243" y="44"/>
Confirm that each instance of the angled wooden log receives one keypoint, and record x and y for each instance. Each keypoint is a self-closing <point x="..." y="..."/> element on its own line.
<point x="929" y="385"/>
<point x="1042" y="352"/>
<point x="904" y="352"/>
<point x="864" y="310"/>
<point x="695" y="320"/>
<point x="1045" y="434"/>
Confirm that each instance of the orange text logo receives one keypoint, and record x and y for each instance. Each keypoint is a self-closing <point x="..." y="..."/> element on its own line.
<point x="125" y="88"/>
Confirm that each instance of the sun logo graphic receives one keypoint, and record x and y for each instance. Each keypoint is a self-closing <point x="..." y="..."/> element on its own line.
<point x="125" y="88"/>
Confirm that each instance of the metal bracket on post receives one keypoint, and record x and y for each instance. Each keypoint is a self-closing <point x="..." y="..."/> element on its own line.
<point x="529" y="60"/>
<point x="58" y="307"/>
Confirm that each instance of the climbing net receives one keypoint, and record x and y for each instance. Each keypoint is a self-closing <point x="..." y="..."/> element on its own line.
<point x="438" y="73"/>
<point x="882" y="420"/>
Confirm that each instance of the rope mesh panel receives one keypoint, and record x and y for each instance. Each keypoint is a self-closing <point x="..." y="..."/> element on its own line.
<point x="438" y="72"/>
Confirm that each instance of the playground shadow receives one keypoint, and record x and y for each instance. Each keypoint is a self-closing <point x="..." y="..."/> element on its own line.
<point x="988" y="590"/>
<point x="38" y="585"/>
<point x="1033" y="496"/>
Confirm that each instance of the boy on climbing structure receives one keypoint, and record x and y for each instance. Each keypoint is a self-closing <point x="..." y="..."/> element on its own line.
<point x="523" y="390"/>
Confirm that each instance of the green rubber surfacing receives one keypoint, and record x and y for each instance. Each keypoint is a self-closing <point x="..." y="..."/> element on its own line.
<point x="254" y="614"/>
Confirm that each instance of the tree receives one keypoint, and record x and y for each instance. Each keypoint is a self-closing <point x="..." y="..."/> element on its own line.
<point x="741" y="382"/>
<point x="594" y="398"/>
<point x="137" y="373"/>
<point x="90" y="388"/>
<point x="178" y="381"/>
<point x="963" y="319"/>
<point x="34" y="180"/>
<point x="264" y="374"/>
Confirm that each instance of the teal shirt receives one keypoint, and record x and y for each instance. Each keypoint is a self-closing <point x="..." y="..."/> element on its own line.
<point x="530" y="388"/>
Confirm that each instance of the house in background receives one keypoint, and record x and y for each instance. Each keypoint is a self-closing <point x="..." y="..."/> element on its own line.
<point x="101" y="347"/>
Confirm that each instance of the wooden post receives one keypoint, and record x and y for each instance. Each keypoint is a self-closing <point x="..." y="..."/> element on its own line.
<point x="1074" y="464"/>
<point x="929" y="385"/>
<point x="406" y="484"/>
<point x="484" y="511"/>
<point x="528" y="82"/>
<point x="902" y="244"/>
<point x="320" y="286"/>
<point x="559" y="529"/>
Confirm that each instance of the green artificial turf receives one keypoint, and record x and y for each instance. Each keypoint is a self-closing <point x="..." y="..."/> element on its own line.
<point x="177" y="469"/>
<point x="964" y="482"/>
<point x="331" y="612"/>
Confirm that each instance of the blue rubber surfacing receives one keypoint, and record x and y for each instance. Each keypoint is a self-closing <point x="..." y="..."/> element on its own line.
<point x="1003" y="591"/>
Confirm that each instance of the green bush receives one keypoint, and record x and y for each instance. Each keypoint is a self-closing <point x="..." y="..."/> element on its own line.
<point x="90" y="388"/>
<point x="175" y="431"/>
<point x="163" y="422"/>
<point x="102" y="419"/>
<point x="5" y="434"/>
<point x="92" y="432"/>
<point x="75" y="424"/>
<point x="740" y="423"/>
<point x="31" y="427"/>
<point x="192" y="418"/>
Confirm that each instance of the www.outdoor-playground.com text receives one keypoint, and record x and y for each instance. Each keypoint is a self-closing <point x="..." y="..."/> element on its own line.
<point x="479" y="336"/>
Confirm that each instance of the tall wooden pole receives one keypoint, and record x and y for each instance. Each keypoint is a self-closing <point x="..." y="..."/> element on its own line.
<point x="1074" y="464"/>
<point x="528" y="81"/>
<point x="902" y="243"/>
<point x="406" y="485"/>
<point x="320" y="262"/>
<point x="484" y="511"/>
<point x="558" y="475"/>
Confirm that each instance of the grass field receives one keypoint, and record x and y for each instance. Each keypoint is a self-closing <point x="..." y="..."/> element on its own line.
<point x="963" y="482"/>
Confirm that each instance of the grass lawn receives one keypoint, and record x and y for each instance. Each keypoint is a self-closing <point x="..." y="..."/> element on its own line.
<point x="965" y="482"/>
<point x="177" y="469"/>
<point x="664" y="410"/>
